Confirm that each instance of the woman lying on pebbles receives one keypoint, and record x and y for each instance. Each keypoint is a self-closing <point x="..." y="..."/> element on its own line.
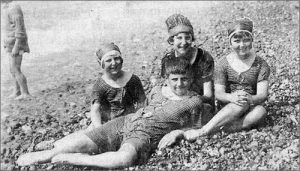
<point x="130" y="139"/>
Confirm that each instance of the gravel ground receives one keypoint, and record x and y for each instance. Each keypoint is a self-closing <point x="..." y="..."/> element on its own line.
<point x="62" y="109"/>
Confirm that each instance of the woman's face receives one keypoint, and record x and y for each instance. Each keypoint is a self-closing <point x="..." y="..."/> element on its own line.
<point x="182" y="42"/>
<point x="241" y="44"/>
<point x="179" y="83"/>
<point x="112" y="62"/>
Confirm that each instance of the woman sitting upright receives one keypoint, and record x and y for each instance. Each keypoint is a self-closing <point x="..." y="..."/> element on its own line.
<point x="241" y="84"/>
<point x="117" y="92"/>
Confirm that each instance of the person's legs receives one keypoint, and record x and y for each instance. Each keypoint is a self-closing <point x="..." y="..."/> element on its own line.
<point x="124" y="157"/>
<point x="73" y="143"/>
<point x="15" y="68"/>
<point x="227" y="114"/>
<point x="16" y="91"/>
<point x="254" y="117"/>
<point x="98" y="140"/>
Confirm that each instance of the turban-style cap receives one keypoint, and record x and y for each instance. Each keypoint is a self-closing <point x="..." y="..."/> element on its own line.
<point x="244" y="24"/>
<point x="107" y="47"/>
<point x="178" y="23"/>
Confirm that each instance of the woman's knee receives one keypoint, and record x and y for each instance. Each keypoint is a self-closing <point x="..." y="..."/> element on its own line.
<point x="260" y="111"/>
<point x="235" y="110"/>
<point x="128" y="154"/>
<point x="255" y="116"/>
<point x="77" y="142"/>
<point x="14" y="70"/>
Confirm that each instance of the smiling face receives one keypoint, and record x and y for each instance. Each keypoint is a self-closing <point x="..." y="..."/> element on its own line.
<point x="179" y="83"/>
<point x="241" y="43"/>
<point x="112" y="62"/>
<point x="182" y="42"/>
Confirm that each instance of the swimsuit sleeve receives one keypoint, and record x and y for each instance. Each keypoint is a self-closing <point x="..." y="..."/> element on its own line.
<point x="97" y="92"/>
<point x="264" y="72"/>
<point x="220" y="77"/>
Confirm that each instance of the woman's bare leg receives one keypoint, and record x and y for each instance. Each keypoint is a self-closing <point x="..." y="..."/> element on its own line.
<point x="254" y="117"/>
<point x="124" y="157"/>
<point x="16" y="90"/>
<point x="73" y="143"/>
<point x="227" y="114"/>
<point x="21" y="81"/>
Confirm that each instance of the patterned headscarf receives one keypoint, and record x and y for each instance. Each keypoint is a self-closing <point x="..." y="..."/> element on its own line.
<point x="178" y="23"/>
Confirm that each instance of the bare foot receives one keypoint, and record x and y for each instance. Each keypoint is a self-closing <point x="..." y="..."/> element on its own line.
<point x="35" y="158"/>
<point x="14" y="95"/>
<point x="24" y="96"/>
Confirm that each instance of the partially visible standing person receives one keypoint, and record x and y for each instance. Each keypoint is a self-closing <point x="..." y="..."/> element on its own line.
<point x="181" y="40"/>
<point x="15" y="45"/>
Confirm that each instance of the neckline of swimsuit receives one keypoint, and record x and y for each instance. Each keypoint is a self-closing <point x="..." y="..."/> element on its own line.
<point x="119" y="83"/>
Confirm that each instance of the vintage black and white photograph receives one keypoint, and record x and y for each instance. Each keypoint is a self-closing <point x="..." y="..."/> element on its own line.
<point x="150" y="85"/>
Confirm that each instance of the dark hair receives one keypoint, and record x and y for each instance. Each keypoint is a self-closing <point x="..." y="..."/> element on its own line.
<point x="178" y="66"/>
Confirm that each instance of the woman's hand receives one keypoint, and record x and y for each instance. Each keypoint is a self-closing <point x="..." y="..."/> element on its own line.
<point x="15" y="52"/>
<point x="239" y="97"/>
<point x="249" y="99"/>
<point x="170" y="138"/>
<point x="193" y="134"/>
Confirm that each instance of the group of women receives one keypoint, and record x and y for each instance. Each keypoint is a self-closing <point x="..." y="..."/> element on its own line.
<point x="126" y="126"/>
